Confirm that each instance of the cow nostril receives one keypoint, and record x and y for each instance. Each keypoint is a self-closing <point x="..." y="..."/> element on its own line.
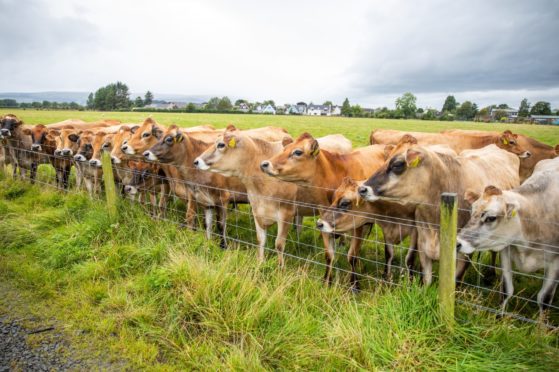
<point x="196" y="162"/>
<point x="146" y="154"/>
<point x="362" y="190"/>
<point x="265" y="164"/>
<point x="319" y="224"/>
<point x="458" y="246"/>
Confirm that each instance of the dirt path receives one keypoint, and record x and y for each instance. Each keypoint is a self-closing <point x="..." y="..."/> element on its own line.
<point x="30" y="342"/>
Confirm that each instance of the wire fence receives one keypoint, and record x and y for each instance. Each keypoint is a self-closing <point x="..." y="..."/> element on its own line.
<point x="376" y="249"/>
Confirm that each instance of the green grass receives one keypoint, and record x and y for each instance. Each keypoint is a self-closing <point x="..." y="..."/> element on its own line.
<point x="355" y="129"/>
<point x="162" y="297"/>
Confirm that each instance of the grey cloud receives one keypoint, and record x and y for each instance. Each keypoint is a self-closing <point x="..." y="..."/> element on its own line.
<point x="460" y="46"/>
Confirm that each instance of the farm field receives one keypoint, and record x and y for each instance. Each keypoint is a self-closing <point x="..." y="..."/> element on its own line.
<point x="162" y="297"/>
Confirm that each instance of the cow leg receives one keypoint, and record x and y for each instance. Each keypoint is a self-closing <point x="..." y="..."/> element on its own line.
<point x="88" y="185"/>
<point x="507" y="286"/>
<point x="426" y="267"/>
<point x="153" y="202"/>
<point x="412" y="253"/>
<point x="222" y="224"/>
<point x="79" y="179"/>
<point x="546" y="294"/>
<point x="283" y="229"/>
<point x="22" y="173"/>
<point x="388" y="258"/>
<point x="329" y="252"/>
<point x="490" y="273"/>
<point x="353" y="257"/>
<point x="298" y="226"/>
<point x="208" y="221"/>
<point x="462" y="264"/>
<point x="191" y="206"/>
<point x="261" y="237"/>
<point x="163" y="198"/>
<point x="33" y="172"/>
<point x="65" y="177"/>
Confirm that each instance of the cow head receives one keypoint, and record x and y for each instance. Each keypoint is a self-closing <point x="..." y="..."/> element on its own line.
<point x="101" y="142"/>
<point x="508" y="141"/>
<point x="346" y="211"/>
<point x="143" y="176"/>
<point x="8" y="124"/>
<point x="85" y="146"/>
<point x="38" y="137"/>
<point x="169" y="148"/>
<point x="494" y="221"/>
<point x="297" y="161"/>
<point x="225" y="155"/>
<point x="401" y="174"/>
<point x="142" y="138"/>
<point x="66" y="140"/>
<point x="118" y="140"/>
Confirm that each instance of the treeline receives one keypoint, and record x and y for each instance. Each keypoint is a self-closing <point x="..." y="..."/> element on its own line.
<point x="44" y="105"/>
<point x="116" y="97"/>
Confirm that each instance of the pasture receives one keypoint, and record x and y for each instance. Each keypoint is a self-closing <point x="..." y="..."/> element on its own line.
<point x="163" y="297"/>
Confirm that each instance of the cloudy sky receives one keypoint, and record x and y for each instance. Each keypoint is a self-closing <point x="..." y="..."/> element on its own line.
<point x="488" y="51"/>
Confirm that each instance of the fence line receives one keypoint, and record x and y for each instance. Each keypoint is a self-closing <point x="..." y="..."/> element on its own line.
<point x="241" y="231"/>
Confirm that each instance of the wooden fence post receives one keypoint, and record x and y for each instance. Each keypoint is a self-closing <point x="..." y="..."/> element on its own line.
<point x="109" y="180"/>
<point x="447" y="262"/>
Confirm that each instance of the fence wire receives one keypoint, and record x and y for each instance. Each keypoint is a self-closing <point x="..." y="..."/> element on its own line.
<point x="381" y="261"/>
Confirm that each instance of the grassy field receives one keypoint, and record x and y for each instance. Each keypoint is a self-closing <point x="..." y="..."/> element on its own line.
<point x="165" y="298"/>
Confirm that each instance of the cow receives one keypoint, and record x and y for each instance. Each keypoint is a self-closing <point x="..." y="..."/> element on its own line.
<point x="90" y="174"/>
<point x="18" y="147"/>
<point x="321" y="172"/>
<point x="239" y="154"/>
<point x="349" y="212"/>
<point x="146" y="179"/>
<point x="212" y="191"/>
<point x="418" y="175"/>
<point x="521" y="224"/>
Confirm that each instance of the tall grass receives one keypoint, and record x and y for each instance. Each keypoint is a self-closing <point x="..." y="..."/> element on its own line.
<point x="162" y="297"/>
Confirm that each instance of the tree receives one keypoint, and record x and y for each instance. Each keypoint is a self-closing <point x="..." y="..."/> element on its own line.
<point x="138" y="102"/>
<point x="450" y="104"/>
<point x="406" y="104"/>
<point x="524" y="109"/>
<point x="541" y="108"/>
<point x="239" y="101"/>
<point x="191" y="107"/>
<point x="356" y="111"/>
<point x="430" y="114"/>
<point x="90" y="102"/>
<point x="346" y="108"/>
<point x="269" y="102"/>
<point x="212" y="104"/>
<point x="467" y="110"/>
<point x="500" y="114"/>
<point x="328" y="103"/>
<point x="224" y="104"/>
<point x="148" y="98"/>
<point x="114" y="96"/>
<point x="503" y="106"/>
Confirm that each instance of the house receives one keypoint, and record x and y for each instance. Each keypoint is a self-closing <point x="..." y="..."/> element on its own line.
<point x="511" y="114"/>
<point x="336" y="110"/>
<point x="320" y="110"/>
<point x="545" y="119"/>
<point x="302" y="108"/>
<point x="268" y="109"/>
<point x="243" y="107"/>
<point x="293" y="110"/>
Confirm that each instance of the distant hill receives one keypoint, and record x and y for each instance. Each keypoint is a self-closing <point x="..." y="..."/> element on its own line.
<point x="81" y="97"/>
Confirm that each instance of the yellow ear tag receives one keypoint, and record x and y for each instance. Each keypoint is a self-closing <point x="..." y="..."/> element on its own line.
<point x="315" y="152"/>
<point x="357" y="202"/>
<point x="513" y="214"/>
<point x="178" y="139"/>
<point x="505" y="141"/>
<point x="414" y="163"/>
<point x="232" y="143"/>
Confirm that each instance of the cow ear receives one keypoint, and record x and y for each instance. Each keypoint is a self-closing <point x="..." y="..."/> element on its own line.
<point x="53" y="132"/>
<point x="511" y="210"/>
<point x="315" y="148"/>
<point x="471" y="196"/>
<point x="287" y="140"/>
<point x="156" y="132"/>
<point x="27" y="131"/>
<point x="414" y="158"/>
<point x="388" y="150"/>
<point x="73" y="137"/>
<point x="134" y="129"/>
<point x="230" y="128"/>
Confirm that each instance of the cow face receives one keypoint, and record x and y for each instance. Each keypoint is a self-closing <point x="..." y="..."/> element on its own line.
<point x="8" y="124"/>
<point x="169" y="148"/>
<point x="225" y="155"/>
<point x="118" y="140"/>
<point x="144" y="175"/>
<point x="101" y="142"/>
<point x="85" y="149"/>
<point x="297" y="161"/>
<point x="401" y="175"/>
<point x="38" y="137"/>
<point x="346" y="211"/>
<point x="142" y="138"/>
<point x="508" y="141"/>
<point x="494" y="222"/>
<point x="66" y="141"/>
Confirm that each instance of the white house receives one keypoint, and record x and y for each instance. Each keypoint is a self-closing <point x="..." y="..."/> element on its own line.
<point x="293" y="110"/>
<point x="243" y="107"/>
<point x="336" y="111"/>
<point x="323" y="110"/>
<point x="268" y="109"/>
<point x="511" y="113"/>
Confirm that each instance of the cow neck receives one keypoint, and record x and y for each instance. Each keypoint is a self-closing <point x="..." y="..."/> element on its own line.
<point x="192" y="148"/>
<point x="330" y="169"/>
<point x="261" y="150"/>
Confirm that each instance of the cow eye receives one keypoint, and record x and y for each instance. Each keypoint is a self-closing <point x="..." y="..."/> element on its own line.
<point x="169" y="140"/>
<point x="512" y="142"/>
<point x="221" y="145"/>
<point x="298" y="152"/>
<point x="146" y="134"/>
<point x="344" y="204"/>
<point x="105" y="145"/>
<point x="490" y="219"/>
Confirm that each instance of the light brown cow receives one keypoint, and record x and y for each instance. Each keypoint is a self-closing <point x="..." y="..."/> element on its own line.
<point x="18" y="147"/>
<point x="90" y="174"/>
<point x="419" y="175"/>
<point x="349" y="212"/>
<point x="522" y="225"/>
<point x="212" y="191"/>
<point x="239" y="154"/>
<point x="321" y="172"/>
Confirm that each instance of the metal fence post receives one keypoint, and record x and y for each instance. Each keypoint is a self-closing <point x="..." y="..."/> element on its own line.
<point x="109" y="180"/>
<point x="447" y="263"/>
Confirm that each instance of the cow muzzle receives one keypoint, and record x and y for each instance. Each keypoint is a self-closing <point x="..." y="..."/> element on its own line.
<point x="132" y="190"/>
<point x="324" y="226"/>
<point x="80" y="158"/>
<point x="367" y="193"/>
<point x="36" y="147"/>
<point x="95" y="163"/>
<point x="66" y="152"/>
<point x="201" y="164"/>
<point x="464" y="247"/>
<point x="6" y="133"/>
<point x="150" y="156"/>
<point x="525" y="155"/>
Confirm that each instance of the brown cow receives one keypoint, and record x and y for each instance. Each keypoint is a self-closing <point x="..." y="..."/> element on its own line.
<point x="239" y="154"/>
<point x="147" y="179"/>
<point x="18" y="147"/>
<point x="306" y="164"/>
<point x="212" y="191"/>
<point x="418" y="175"/>
<point x="91" y="175"/>
<point x="349" y="212"/>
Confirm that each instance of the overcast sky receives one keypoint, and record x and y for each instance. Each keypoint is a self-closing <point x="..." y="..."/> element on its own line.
<point x="370" y="51"/>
